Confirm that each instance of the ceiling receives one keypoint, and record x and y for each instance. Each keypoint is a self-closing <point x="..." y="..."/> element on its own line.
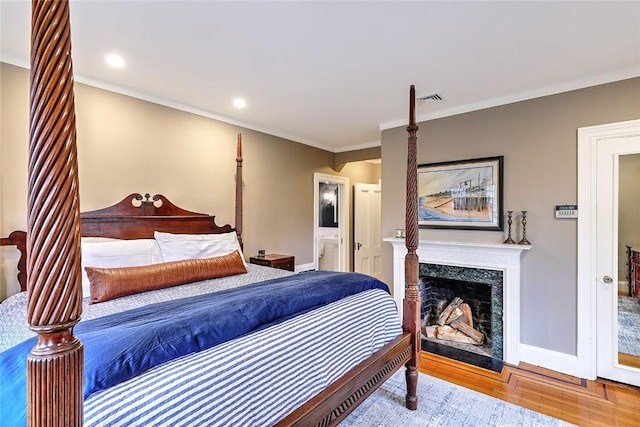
<point x="333" y="74"/>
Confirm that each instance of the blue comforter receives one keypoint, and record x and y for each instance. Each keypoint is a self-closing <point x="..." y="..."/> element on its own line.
<point x="119" y="346"/>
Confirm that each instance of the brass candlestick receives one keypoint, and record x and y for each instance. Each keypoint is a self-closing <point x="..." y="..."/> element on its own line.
<point x="509" y="240"/>
<point x="524" y="240"/>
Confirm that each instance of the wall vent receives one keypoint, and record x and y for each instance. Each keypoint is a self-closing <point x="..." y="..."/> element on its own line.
<point x="423" y="100"/>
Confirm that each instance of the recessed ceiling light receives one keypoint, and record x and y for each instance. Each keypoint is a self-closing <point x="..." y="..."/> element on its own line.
<point x="115" y="61"/>
<point x="239" y="103"/>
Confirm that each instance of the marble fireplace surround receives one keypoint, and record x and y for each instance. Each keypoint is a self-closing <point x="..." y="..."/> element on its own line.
<point x="489" y="256"/>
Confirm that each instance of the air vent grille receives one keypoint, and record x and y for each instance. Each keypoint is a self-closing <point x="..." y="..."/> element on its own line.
<point x="429" y="99"/>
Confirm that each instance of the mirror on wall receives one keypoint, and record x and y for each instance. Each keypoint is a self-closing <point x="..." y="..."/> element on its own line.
<point x="328" y="205"/>
<point x="629" y="260"/>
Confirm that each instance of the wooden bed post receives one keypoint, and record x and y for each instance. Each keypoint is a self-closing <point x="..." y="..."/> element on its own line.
<point x="55" y="364"/>
<point x="411" y="301"/>
<point x="238" y="224"/>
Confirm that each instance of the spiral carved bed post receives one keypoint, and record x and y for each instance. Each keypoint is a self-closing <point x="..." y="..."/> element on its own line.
<point x="239" y="190"/>
<point x="55" y="364"/>
<point x="411" y="301"/>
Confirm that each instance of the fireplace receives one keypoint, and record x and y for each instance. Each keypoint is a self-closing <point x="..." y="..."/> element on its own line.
<point x="450" y="259"/>
<point x="480" y="290"/>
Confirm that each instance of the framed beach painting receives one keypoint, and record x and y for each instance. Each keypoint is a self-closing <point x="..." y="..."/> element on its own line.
<point x="463" y="194"/>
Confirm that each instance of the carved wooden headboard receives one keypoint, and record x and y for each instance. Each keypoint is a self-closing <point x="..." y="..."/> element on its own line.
<point x="137" y="217"/>
<point x="19" y="239"/>
<point x="134" y="217"/>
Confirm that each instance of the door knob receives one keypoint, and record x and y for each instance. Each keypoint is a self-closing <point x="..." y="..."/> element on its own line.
<point x="358" y="246"/>
<point x="607" y="279"/>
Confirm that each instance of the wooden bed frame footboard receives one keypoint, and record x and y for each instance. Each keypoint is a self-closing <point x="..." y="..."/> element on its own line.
<point x="332" y="405"/>
<point x="55" y="226"/>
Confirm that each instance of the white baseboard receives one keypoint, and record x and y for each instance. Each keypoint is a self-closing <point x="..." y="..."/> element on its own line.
<point x="305" y="267"/>
<point x="554" y="360"/>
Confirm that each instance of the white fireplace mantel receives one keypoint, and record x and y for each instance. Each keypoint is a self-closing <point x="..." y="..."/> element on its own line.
<point x="489" y="256"/>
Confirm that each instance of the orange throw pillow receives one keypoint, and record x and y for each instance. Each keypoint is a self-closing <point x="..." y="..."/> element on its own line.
<point x="110" y="283"/>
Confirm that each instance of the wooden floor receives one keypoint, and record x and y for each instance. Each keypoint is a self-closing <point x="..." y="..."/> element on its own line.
<point x="578" y="401"/>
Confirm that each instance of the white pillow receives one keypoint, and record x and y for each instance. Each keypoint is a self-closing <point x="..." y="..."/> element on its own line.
<point x="176" y="247"/>
<point x="108" y="253"/>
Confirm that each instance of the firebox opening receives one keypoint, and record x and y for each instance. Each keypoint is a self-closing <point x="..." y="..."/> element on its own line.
<point x="462" y="310"/>
<point x="457" y="301"/>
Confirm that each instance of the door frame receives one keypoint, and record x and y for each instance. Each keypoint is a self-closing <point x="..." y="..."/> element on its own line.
<point x="588" y="140"/>
<point x="343" y="217"/>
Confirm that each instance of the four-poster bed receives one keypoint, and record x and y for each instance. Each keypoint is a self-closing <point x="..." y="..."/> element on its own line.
<point x="55" y="366"/>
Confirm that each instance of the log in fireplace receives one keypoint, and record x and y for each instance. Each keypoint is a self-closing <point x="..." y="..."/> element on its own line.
<point x="452" y="294"/>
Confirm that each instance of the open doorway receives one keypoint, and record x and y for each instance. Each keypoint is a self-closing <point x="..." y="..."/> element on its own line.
<point x="330" y="218"/>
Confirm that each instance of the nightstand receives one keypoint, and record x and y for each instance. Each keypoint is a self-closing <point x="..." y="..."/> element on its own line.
<point x="283" y="262"/>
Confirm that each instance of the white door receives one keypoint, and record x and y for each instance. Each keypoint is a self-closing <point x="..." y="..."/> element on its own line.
<point x="367" y="240"/>
<point x="612" y="344"/>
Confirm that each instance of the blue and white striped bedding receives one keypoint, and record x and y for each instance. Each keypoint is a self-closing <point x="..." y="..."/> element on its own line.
<point x="14" y="327"/>
<point x="255" y="379"/>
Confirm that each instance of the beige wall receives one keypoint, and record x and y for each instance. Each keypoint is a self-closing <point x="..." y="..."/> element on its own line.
<point x="341" y="159"/>
<point x="126" y="145"/>
<point x="362" y="172"/>
<point x="538" y="139"/>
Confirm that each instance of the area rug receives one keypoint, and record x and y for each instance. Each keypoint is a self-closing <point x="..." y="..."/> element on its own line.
<point x="440" y="403"/>
<point x="628" y="325"/>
